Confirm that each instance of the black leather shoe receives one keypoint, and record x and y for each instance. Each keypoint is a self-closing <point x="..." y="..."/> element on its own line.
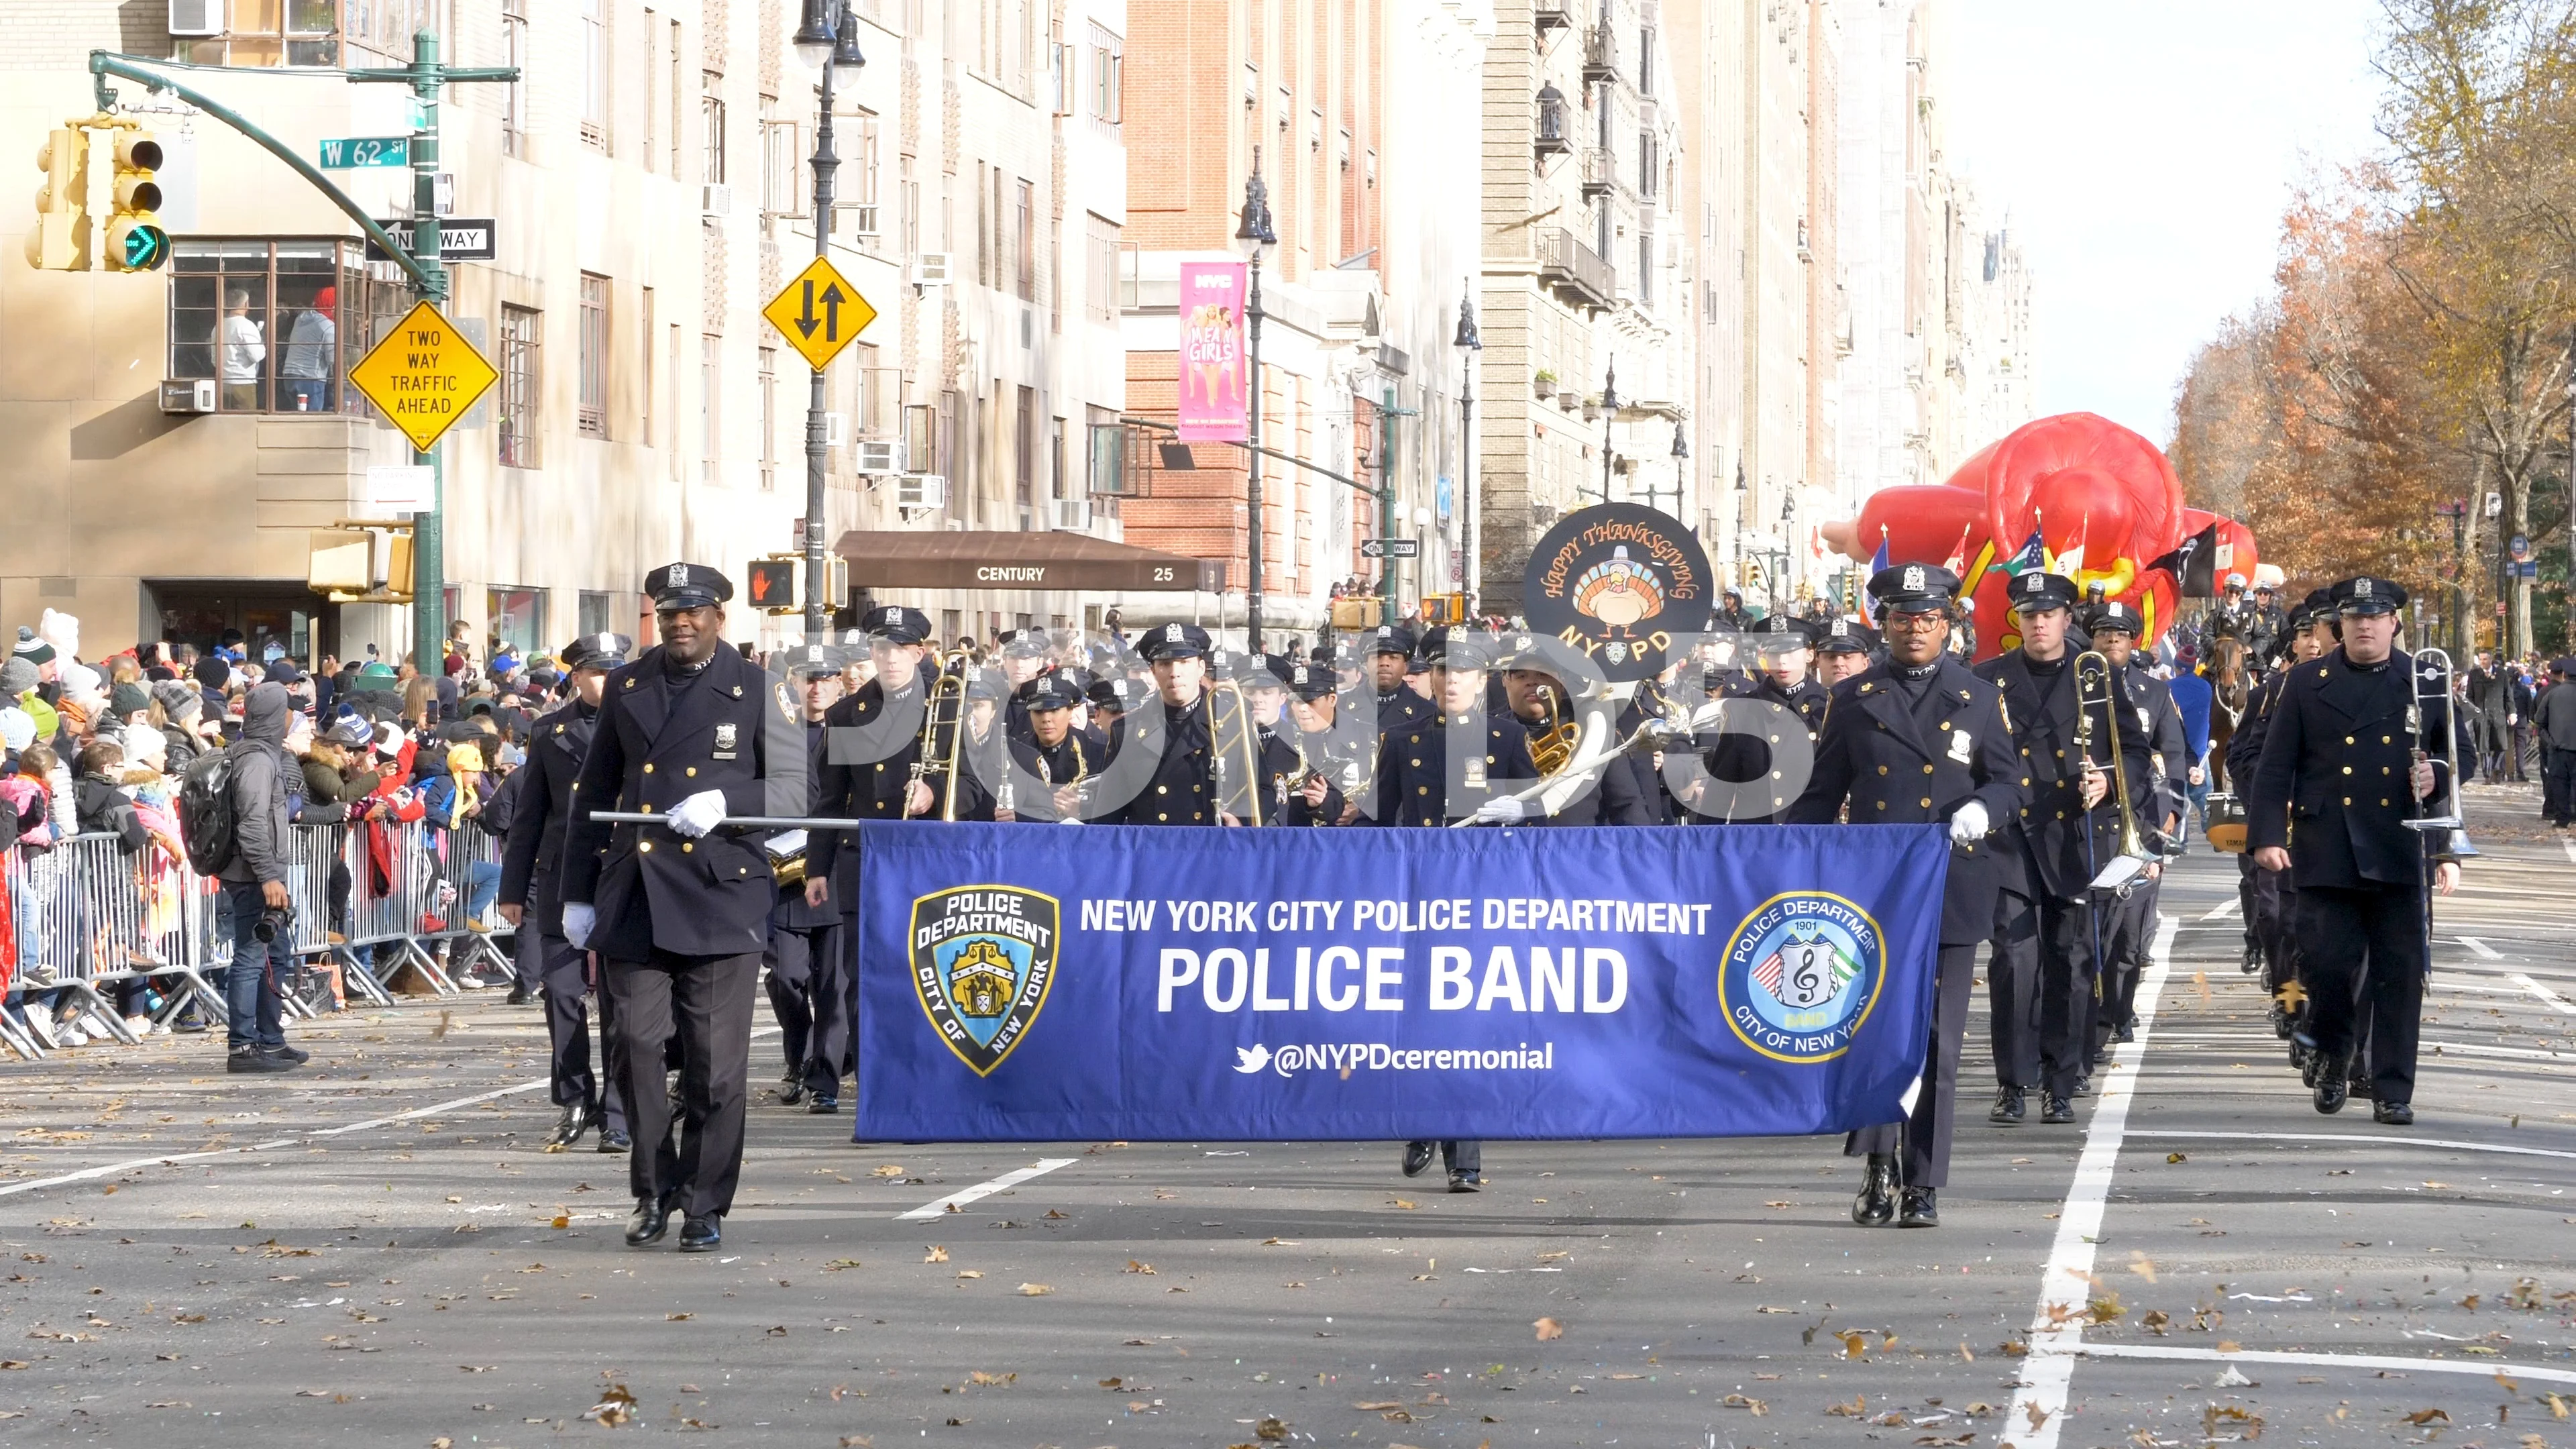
<point x="614" y="1139"/>
<point x="2279" y="1016"/>
<point x="2252" y="960"/>
<point x="1875" y="1204"/>
<point x="1465" y="1181"/>
<point x="791" y="1094"/>
<point x="1417" y="1156"/>
<point x="1922" y="1209"/>
<point x="2362" y="1087"/>
<point x="570" y="1127"/>
<point x="793" y="1076"/>
<point x="519" y="995"/>
<point x="2128" y="1032"/>
<point x="652" y="1218"/>
<point x="2084" y="1085"/>
<point x="2008" y="1108"/>
<point x="2332" y="1089"/>
<point x="2393" y="1114"/>
<point x="252" y="1059"/>
<point x="822" y="1105"/>
<point x="702" y="1234"/>
<point x="2056" y="1110"/>
<point x="287" y="1054"/>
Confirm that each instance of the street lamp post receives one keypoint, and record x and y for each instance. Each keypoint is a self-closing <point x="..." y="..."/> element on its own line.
<point x="1254" y="231"/>
<point x="827" y="37"/>
<point x="1468" y="343"/>
<point x="1681" y="457"/>
<point x="1609" y="415"/>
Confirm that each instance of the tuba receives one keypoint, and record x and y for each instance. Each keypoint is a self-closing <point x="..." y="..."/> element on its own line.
<point x="2099" y="684"/>
<point x="2433" y="684"/>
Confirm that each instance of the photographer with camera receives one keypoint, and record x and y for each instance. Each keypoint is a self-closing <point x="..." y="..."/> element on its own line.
<point x="254" y="884"/>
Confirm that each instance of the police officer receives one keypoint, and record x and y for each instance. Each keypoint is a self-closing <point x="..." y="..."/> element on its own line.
<point x="1623" y="792"/>
<point x="809" y="965"/>
<point x="1052" y="765"/>
<point x="679" y="910"/>
<point x="2149" y="711"/>
<point x="1023" y="658"/>
<point x="1174" y="727"/>
<point x="2040" y="983"/>
<point x="2316" y="630"/>
<point x="532" y="873"/>
<point x="1331" y="764"/>
<point x="1843" y="650"/>
<point x="1921" y="740"/>
<point x="1414" y="789"/>
<point x="1783" y="648"/>
<point x="1391" y="649"/>
<point x="1111" y="696"/>
<point x="872" y="756"/>
<point x="2343" y="759"/>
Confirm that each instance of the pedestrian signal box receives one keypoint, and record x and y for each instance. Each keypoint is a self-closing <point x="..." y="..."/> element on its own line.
<point x="771" y="587"/>
<point x="59" y="241"/>
<point x="1444" y="608"/>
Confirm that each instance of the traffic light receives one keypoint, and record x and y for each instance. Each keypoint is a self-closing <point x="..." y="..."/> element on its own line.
<point x="772" y="585"/>
<point x="136" y="241"/>
<point x="59" y="241"/>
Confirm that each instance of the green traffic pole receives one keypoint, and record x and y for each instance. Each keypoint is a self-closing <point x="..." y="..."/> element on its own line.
<point x="429" y="571"/>
<point x="1386" y="505"/>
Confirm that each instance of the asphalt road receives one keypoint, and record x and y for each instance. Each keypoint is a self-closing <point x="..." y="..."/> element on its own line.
<point x="378" y="1249"/>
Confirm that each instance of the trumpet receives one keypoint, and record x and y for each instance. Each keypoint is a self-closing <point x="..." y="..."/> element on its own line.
<point x="1229" y="715"/>
<point x="2433" y="683"/>
<point x="2099" y="685"/>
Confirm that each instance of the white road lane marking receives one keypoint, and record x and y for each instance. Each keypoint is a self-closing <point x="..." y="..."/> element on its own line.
<point x="2487" y="1368"/>
<point x="2372" y="1139"/>
<point x="984" y="1189"/>
<point x="2484" y="951"/>
<point x="2057" y="1328"/>
<point x="89" y="1174"/>
<point x="2556" y="1002"/>
<point x="2223" y="909"/>
<point x="2571" y="848"/>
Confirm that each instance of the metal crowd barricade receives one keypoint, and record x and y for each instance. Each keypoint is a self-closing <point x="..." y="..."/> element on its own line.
<point x="93" y="914"/>
<point x="389" y="908"/>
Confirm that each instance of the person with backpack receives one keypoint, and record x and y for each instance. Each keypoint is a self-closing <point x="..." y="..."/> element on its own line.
<point x="233" y="818"/>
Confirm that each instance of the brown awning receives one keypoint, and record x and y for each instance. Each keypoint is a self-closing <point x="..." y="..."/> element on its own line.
<point x="893" y="560"/>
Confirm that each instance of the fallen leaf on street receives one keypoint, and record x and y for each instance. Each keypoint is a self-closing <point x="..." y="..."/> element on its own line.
<point x="1271" y="1429"/>
<point x="1855" y="1342"/>
<point x="935" y="1254"/>
<point x="614" y="1408"/>
<point x="1739" y="1401"/>
<point x="1133" y="1266"/>
<point x="1549" y="1328"/>
<point x="886" y="1169"/>
<point x="1857" y="1408"/>
<point x="2143" y="1266"/>
<point x="2427" y="1416"/>
<point x="1035" y="1290"/>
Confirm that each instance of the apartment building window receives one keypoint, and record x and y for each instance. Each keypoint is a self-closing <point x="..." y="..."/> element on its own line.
<point x="1024" y="240"/>
<point x="711" y="128"/>
<point x="768" y="419"/>
<point x="983" y="232"/>
<point x="1024" y="447"/>
<point x="521" y="337"/>
<point x="1055" y="274"/>
<point x="1107" y="92"/>
<point x="645" y="334"/>
<point x="518" y="619"/>
<point x="673" y="450"/>
<point x="276" y="323"/>
<point x="597" y="611"/>
<point x="710" y="391"/>
<point x="1100" y="267"/>
<point x="514" y="95"/>
<point x="652" y="92"/>
<point x="678" y="100"/>
<point x="858" y="206"/>
<point x="594" y="355"/>
<point x="594" y="74"/>
<point x="1646" y="268"/>
<point x="910" y="203"/>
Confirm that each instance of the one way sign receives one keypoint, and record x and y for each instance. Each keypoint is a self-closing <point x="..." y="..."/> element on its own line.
<point x="819" y="313"/>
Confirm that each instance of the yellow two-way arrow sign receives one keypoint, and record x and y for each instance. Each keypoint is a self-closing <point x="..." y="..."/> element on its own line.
<point x="819" y="313"/>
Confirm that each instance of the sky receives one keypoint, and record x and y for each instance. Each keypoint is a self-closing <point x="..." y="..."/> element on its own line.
<point x="2145" y="152"/>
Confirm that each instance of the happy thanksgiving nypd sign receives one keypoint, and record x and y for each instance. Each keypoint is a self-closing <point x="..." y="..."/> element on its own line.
<point x="1020" y="984"/>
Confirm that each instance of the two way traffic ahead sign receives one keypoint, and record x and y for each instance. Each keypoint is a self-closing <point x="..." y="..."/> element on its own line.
<point x="819" y="313"/>
<point x="424" y="377"/>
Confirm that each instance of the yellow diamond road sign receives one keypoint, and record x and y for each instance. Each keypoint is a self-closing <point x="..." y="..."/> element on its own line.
<point x="424" y="376"/>
<point x="819" y="313"/>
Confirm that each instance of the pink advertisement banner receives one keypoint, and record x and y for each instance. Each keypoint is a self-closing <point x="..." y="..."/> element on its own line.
<point x="1214" y="377"/>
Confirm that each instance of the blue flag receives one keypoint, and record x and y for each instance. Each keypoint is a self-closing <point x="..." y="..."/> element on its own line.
<point x="1028" y="983"/>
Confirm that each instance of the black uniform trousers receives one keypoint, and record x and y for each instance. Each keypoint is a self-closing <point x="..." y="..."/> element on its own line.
<point x="2364" y="967"/>
<point x="2129" y="924"/>
<point x="558" y="969"/>
<point x="809" y="993"/>
<point x="2039" y="986"/>
<point x="1922" y="1140"/>
<point x="706" y="1001"/>
<point x="2557" y="784"/>
<point x="2276" y="919"/>
<point x="2248" y="890"/>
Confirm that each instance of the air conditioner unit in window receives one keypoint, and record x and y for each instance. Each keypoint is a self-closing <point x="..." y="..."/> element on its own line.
<point x="856" y="220"/>
<point x="714" y="200"/>
<point x="921" y="490"/>
<point x="188" y="395"/>
<point x="881" y="455"/>
<point x="930" y="269"/>
<point x="836" y="430"/>
<point x="196" y="17"/>
<point x="1073" y="513"/>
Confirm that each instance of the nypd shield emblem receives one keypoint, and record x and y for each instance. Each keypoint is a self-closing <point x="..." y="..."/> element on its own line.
<point x="983" y="957"/>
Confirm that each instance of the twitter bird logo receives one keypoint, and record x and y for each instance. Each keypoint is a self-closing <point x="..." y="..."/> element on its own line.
<point x="1248" y="1060"/>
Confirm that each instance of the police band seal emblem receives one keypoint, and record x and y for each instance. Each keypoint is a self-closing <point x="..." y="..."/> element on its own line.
<point x="982" y="959"/>
<point x="1800" y="975"/>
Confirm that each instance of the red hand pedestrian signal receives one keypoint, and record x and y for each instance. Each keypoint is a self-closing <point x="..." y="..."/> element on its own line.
<point x="772" y="585"/>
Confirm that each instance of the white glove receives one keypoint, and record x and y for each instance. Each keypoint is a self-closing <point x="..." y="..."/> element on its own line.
<point x="1502" y="811"/>
<point x="1969" y="824"/>
<point x="579" y="921"/>
<point x="698" y="814"/>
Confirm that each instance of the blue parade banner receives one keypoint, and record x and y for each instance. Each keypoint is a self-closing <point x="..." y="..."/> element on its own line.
<point x="1047" y="983"/>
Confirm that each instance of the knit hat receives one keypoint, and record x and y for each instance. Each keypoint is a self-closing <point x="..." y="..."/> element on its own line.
<point x="177" y="699"/>
<point x="80" y="679"/>
<point x="31" y="648"/>
<point x="17" y="728"/>
<point x="389" y="738"/>
<point x="17" y="676"/>
<point x="127" y="698"/>
<point x="213" y="672"/>
<point x="146" y="745"/>
<point x="350" y="728"/>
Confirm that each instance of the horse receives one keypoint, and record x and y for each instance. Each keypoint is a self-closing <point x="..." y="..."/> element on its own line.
<point x="2231" y="690"/>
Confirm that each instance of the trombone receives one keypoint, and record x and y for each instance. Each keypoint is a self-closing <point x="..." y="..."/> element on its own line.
<point x="2098" y="685"/>
<point x="2433" y="682"/>
<point x="947" y="691"/>
<point x="1227" y="711"/>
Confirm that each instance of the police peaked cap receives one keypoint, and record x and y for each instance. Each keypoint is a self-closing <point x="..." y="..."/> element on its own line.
<point x="1782" y="632"/>
<point x="1313" y="681"/>
<point x="1174" y="641"/>
<point x="1846" y="636"/>
<point x="1914" y="588"/>
<point x="2038" y="590"/>
<point x="895" y="624"/>
<point x="1049" y="691"/>
<point x="1023" y="644"/>
<point x="1111" y="694"/>
<point x="1391" y="639"/>
<point x="687" y="586"/>
<point x="808" y="660"/>
<point x="1263" y="671"/>
<point x="1456" y="646"/>
<point x="596" y="651"/>
<point x="1520" y="650"/>
<point x="2114" y="615"/>
<point x="2319" y="604"/>
<point x="2366" y="595"/>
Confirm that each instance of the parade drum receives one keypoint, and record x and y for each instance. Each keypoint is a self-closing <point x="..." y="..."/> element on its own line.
<point x="2224" y="826"/>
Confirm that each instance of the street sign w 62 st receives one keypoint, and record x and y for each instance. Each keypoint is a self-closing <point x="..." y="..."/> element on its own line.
<point x="819" y="313"/>
<point x="353" y="153"/>
<point x="424" y="376"/>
